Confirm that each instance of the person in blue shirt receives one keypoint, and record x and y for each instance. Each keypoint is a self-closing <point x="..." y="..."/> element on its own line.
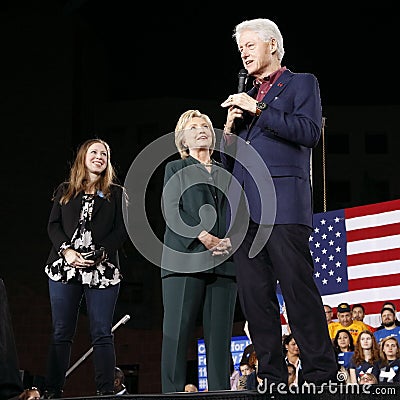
<point x="393" y="307"/>
<point x="388" y="317"/>
<point x="389" y="364"/>
<point x="344" y="347"/>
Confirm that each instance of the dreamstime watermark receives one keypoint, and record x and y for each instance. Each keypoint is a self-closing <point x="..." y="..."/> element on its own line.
<point x="340" y="386"/>
<point x="136" y="215"/>
<point x="326" y="387"/>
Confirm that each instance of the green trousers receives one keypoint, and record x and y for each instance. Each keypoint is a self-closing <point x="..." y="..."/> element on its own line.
<point x="183" y="297"/>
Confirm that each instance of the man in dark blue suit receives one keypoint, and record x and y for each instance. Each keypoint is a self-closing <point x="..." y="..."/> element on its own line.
<point x="269" y="135"/>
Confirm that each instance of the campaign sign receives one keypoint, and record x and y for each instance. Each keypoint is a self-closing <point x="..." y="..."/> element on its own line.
<point x="238" y="344"/>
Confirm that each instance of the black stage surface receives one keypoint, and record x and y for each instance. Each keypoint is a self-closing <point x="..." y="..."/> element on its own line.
<point x="366" y="392"/>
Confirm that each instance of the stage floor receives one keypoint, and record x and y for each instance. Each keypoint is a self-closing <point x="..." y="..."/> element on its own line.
<point x="342" y="392"/>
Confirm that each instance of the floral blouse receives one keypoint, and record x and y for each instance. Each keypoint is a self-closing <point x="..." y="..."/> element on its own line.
<point x="100" y="275"/>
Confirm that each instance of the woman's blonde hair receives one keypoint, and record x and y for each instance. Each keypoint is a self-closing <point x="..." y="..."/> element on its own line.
<point x="78" y="178"/>
<point x="184" y="119"/>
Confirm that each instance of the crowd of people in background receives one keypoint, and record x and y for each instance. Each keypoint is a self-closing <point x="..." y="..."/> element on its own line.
<point x="365" y="354"/>
<point x="363" y="349"/>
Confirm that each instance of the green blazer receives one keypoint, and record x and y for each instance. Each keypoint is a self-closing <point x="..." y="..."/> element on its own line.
<point x="194" y="200"/>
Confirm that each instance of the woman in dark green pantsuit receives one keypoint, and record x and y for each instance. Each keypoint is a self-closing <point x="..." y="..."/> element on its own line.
<point x="197" y="271"/>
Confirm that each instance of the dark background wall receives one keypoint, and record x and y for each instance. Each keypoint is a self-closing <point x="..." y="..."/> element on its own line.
<point x="72" y="70"/>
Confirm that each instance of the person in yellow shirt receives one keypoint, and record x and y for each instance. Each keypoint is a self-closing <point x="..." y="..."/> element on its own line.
<point x="345" y="321"/>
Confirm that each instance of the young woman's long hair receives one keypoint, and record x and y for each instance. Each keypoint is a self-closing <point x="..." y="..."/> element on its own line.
<point x="384" y="360"/>
<point x="78" y="178"/>
<point x="358" y="356"/>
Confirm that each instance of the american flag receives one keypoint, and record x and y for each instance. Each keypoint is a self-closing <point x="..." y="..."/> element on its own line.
<point x="356" y="253"/>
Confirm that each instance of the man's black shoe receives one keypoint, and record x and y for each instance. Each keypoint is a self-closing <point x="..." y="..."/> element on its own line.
<point x="105" y="393"/>
<point x="52" y="394"/>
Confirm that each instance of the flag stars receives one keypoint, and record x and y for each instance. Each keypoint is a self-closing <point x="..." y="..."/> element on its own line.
<point x="328" y="252"/>
<point x="328" y="243"/>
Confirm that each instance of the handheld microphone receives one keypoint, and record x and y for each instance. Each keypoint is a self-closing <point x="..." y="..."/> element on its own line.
<point x="242" y="80"/>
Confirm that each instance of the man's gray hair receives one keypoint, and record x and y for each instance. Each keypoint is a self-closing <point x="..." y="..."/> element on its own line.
<point x="265" y="28"/>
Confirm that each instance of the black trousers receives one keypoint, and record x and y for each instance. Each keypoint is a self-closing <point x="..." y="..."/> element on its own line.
<point x="285" y="258"/>
<point x="10" y="379"/>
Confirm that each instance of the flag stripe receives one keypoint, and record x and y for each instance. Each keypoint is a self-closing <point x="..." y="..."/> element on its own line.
<point x="371" y="245"/>
<point x="373" y="232"/>
<point x="376" y="295"/>
<point x="376" y="306"/>
<point x="368" y="283"/>
<point x="366" y="221"/>
<point x="373" y="257"/>
<point x="377" y="208"/>
<point x="374" y="269"/>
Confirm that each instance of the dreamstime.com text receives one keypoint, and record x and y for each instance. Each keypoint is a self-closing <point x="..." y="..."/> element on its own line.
<point x="328" y="387"/>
